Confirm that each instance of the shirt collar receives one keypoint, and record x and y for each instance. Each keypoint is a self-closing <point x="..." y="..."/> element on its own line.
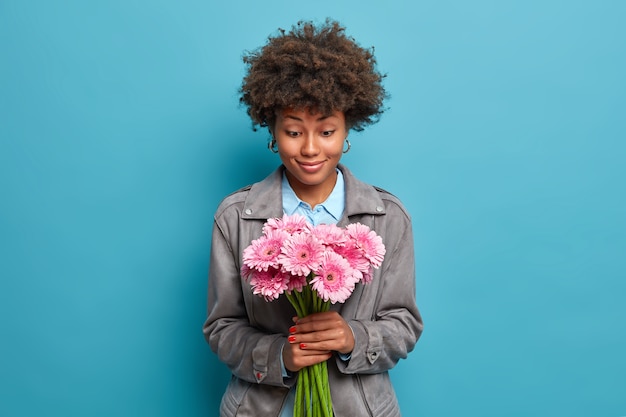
<point x="334" y="204"/>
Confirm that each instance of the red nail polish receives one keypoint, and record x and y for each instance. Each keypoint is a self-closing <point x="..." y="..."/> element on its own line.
<point x="291" y="339"/>
<point x="292" y="329"/>
<point x="302" y="346"/>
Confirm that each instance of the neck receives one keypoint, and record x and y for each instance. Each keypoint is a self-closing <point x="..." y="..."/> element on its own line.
<point x="313" y="194"/>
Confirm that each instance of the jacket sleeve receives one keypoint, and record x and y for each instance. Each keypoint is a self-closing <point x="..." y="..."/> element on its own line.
<point x="252" y="355"/>
<point x="395" y="324"/>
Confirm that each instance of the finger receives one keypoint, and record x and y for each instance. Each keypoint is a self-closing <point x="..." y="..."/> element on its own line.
<point x="327" y="315"/>
<point x="300" y="351"/>
<point x="322" y="346"/>
<point x="296" y="358"/>
<point x="319" y="325"/>
<point x="337" y="338"/>
<point x="329" y="336"/>
<point x="309" y="360"/>
<point x="316" y="337"/>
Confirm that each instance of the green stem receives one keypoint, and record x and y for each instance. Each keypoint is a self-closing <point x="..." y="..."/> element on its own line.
<point x="315" y="402"/>
<point x="326" y="385"/>
<point x="312" y="388"/>
<point x="297" y="408"/>
<point x="314" y="391"/>
<point x="306" y="391"/>
<point x="321" y="386"/>
<point x="293" y="300"/>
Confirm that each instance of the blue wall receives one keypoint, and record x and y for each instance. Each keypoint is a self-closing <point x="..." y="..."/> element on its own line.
<point x="120" y="131"/>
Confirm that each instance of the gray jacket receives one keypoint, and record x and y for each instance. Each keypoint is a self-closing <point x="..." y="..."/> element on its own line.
<point x="247" y="333"/>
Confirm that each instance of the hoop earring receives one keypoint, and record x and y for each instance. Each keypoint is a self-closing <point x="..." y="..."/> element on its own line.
<point x="273" y="146"/>
<point x="348" y="148"/>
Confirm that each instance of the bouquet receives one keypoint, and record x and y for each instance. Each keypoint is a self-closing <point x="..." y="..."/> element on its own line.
<point x="313" y="266"/>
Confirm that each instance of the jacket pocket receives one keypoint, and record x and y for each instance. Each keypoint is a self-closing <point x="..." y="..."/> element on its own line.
<point x="379" y="395"/>
<point x="232" y="398"/>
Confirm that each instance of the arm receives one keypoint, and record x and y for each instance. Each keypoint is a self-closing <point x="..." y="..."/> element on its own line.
<point x="249" y="353"/>
<point x="395" y="324"/>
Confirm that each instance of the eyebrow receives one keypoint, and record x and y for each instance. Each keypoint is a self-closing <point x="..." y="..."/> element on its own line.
<point x="289" y="116"/>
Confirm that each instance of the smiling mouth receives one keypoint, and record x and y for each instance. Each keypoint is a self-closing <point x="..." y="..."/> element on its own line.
<point x="311" y="166"/>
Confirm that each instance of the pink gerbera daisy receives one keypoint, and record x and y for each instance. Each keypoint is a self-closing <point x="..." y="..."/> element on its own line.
<point x="263" y="252"/>
<point x="269" y="284"/>
<point x="301" y="253"/>
<point x="329" y="234"/>
<point x="368" y="275"/>
<point x="334" y="280"/>
<point x="296" y="283"/>
<point x="289" y="224"/>
<point x="368" y="242"/>
<point x="355" y="257"/>
<point x="247" y="272"/>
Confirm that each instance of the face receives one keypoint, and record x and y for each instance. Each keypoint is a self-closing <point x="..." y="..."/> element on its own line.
<point x="310" y="146"/>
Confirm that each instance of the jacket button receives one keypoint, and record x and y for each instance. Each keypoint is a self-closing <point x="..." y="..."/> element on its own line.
<point x="248" y="211"/>
<point x="379" y="209"/>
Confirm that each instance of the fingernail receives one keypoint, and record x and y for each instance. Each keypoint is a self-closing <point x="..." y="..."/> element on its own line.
<point x="302" y="346"/>
<point x="292" y="329"/>
<point x="291" y="339"/>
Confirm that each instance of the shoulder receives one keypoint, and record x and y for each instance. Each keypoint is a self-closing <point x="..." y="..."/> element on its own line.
<point x="393" y="205"/>
<point x="260" y="200"/>
<point x="364" y="198"/>
<point x="233" y="200"/>
<point x="387" y="196"/>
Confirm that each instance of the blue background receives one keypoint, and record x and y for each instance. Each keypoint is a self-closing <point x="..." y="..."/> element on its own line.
<point x="120" y="132"/>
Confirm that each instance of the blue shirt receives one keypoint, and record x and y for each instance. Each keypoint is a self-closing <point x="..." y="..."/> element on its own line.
<point x="327" y="212"/>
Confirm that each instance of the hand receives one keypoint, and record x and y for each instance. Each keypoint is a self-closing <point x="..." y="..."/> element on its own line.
<point x="314" y="337"/>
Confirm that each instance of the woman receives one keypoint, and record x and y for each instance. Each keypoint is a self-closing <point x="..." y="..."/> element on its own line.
<point x="309" y="87"/>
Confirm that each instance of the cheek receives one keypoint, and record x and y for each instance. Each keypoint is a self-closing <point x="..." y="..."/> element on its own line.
<point x="284" y="157"/>
<point x="287" y="156"/>
<point x="285" y="150"/>
<point x="336" y="149"/>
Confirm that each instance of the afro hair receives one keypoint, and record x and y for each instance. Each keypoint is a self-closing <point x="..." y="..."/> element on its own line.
<point x="317" y="68"/>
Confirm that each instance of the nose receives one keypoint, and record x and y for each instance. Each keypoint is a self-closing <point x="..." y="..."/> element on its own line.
<point x="310" y="146"/>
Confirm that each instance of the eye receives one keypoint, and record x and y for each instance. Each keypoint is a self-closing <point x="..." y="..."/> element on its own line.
<point x="327" y="133"/>
<point x="292" y="133"/>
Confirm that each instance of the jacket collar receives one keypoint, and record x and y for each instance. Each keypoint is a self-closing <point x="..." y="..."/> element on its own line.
<point x="264" y="199"/>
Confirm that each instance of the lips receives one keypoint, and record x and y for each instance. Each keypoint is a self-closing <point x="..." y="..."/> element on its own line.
<point x="311" y="167"/>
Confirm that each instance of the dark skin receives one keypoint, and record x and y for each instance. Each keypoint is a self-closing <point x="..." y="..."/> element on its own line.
<point x="314" y="338"/>
<point x="302" y="137"/>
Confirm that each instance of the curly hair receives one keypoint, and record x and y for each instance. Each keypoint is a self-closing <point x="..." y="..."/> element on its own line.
<point x="312" y="67"/>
